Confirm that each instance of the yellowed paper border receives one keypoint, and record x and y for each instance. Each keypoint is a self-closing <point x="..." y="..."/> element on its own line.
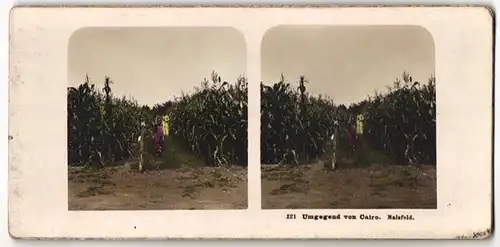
<point x="37" y="168"/>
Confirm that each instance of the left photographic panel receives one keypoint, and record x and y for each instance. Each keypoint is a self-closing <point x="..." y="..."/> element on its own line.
<point x="157" y="118"/>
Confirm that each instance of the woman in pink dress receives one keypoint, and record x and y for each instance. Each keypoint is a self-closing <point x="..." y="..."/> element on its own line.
<point x="351" y="134"/>
<point x="158" y="137"/>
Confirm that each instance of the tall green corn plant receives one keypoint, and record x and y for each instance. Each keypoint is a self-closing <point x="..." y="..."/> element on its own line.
<point x="295" y="126"/>
<point x="401" y="123"/>
<point x="280" y="123"/>
<point x="107" y="146"/>
<point x="84" y="118"/>
<point x="101" y="126"/>
<point x="212" y="121"/>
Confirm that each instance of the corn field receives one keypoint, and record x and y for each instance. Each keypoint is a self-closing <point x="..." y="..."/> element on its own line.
<point x="402" y="122"/>
<point x="296" y="125"/>
<point x="211" y="123"/>
<point x="101" y="128"/>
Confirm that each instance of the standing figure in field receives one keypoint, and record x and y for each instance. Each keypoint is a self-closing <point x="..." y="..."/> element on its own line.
<point x="165" y="128"/>
<point x="158" y="137"/>
<point x="165" y="119"/>
<point x="360" y="145"/>
<point x="333" y="139"/>
<point x="359" y="131"/>
<point x="351" y="134"/>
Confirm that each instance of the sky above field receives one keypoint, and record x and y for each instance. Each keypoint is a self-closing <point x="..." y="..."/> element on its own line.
<point x="154" y="64"/>
<point x="347" y="63"/>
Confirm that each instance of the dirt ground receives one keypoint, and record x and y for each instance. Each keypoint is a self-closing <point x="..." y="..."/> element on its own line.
<point x="374" y="186"/>
<point x="185" y="187"/>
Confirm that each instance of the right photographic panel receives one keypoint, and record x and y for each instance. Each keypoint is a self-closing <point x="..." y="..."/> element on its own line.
<point x="348" y="118"/>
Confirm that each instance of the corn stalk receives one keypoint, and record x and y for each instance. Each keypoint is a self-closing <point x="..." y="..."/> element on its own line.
<point x="296" y="126"/>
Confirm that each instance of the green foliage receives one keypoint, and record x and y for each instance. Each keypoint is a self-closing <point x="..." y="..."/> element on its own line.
<point x="402" y="122"/>
<point x="295" y="125"/>
<point x="210" y="123"/>
<point x="101" y="126"/>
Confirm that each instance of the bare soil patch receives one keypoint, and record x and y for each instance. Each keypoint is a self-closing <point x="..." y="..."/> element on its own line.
<point x="183" y="187"/>
<point x="313" y="186"/>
